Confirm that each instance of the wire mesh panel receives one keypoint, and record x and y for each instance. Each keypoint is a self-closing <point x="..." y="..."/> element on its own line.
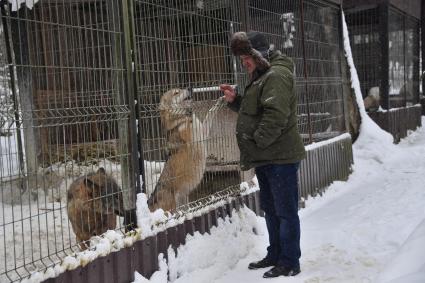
<point x="281" y="22"/>
<point x="65" y="158"/>
<point x="319" y="85"/>
<point x="364" y="31"/>
<point x="396" y="55"/>
<point x="410" y="88"/>
<point x="187" y="136"/>
<point x="368" y="26"/>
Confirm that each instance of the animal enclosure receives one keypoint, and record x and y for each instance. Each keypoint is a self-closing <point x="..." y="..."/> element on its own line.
<point x="93" y="91"/>
<point x="68" y="114"/>
<point x="385" y="44"/>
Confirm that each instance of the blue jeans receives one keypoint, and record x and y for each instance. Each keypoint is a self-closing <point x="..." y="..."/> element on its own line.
<point x="279" y="200"/>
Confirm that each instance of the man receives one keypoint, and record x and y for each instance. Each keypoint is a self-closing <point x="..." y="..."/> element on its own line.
<point x="269" y="141"/>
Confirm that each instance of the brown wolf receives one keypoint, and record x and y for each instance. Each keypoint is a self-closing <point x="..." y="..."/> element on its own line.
<point x="94" y="201"/>
<point x="186" y="163"/>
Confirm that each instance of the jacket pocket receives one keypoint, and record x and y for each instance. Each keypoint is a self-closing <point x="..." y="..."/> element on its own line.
<point x="247" y="146"/>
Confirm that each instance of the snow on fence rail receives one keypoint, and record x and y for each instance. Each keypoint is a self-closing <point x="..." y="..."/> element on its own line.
<point x="399" y="121"/>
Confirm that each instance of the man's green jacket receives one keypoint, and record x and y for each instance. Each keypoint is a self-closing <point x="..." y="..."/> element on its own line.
<point x="266" y="128"/>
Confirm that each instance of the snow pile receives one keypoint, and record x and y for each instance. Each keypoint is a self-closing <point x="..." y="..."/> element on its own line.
<point x="249" y="187"/>
<point x="197" y="259"/>
<point x="370" y="132"/>
<point x="149" y="222"/>
<point x="204" y="258"/>
<point x="409" y="264"/>
<point x="160" y="276"/>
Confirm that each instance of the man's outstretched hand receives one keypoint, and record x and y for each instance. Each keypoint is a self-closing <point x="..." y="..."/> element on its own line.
<point x="229" y="92"/>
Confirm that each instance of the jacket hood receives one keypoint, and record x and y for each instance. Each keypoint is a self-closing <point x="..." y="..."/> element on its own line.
<point x="279" y="60"/>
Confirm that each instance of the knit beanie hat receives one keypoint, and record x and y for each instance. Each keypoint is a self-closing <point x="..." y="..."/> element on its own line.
<point x="254" y="44"/>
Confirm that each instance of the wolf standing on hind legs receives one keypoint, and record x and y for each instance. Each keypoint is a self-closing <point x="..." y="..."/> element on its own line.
<point x="269" y="141"/>
<point x="185" y="166"/>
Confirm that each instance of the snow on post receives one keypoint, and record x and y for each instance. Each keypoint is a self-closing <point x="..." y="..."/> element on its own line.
<point x="370" y="132"/>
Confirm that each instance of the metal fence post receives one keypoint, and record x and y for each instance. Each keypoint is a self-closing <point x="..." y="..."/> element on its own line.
<point x="127" y="130"/>
<point x="244" y="14"/>
<point x="137" y="123"/>
<point x="383" y="39"/>
<point x="404" y="61"/>
<point x="423" y="44"/>
<point x="310" y="131"/>
<point x="13" y="88"/>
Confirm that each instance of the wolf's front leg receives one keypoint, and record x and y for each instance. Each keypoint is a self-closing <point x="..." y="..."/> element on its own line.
<point x="181" y="199"/>
<point x="164" y="199"/>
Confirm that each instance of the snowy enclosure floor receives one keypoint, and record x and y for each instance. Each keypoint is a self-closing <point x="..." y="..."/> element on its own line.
<point x="358" y="231"/>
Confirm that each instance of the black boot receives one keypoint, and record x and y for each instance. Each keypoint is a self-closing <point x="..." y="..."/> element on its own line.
<point x="265" y="262"/>
<point x="281" y="270"/>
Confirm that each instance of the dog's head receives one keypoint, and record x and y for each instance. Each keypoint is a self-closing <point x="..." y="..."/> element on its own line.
<point x="175" y="104"/>
<point x="176" y="100"/>
<point x="105" y="192"/>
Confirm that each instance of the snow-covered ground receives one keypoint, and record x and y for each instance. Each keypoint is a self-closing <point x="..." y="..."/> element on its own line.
<point x="368" y="229"/>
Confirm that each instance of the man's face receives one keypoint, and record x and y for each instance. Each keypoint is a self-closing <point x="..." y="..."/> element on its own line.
<point x="248" y="63"/>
